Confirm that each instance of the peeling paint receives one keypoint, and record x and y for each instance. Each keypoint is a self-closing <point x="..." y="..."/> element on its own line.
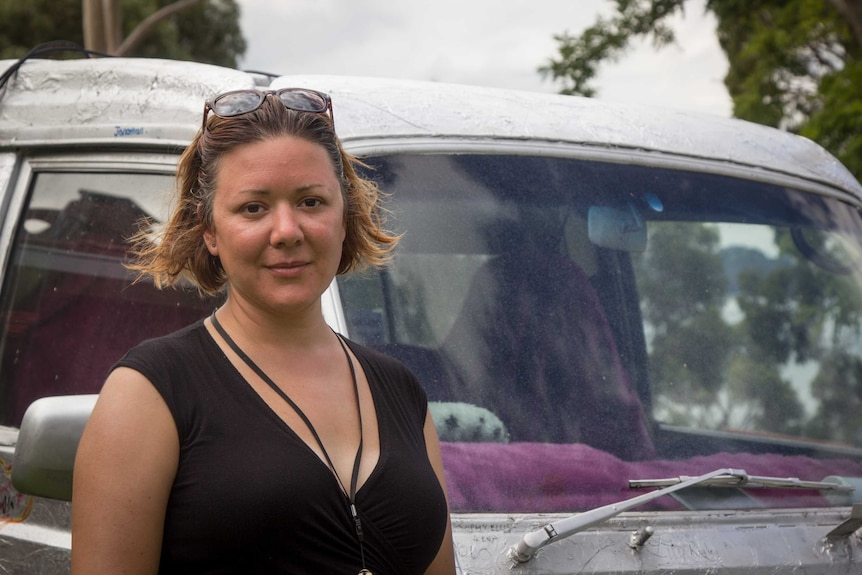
<point x="15" y="507"/>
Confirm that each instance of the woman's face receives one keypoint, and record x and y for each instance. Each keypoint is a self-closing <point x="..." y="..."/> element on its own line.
<point x="277" y="223"/>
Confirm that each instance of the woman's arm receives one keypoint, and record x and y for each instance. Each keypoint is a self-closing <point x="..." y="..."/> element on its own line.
<point x="124" y="470"/>
<point x="444" y="563"/>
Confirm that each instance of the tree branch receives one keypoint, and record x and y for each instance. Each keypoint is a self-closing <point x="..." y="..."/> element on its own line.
<point x="111" y="25"/>
<point x="144" y="28"/>
<point x="852" y="10"/>
<point x="94" y="36"/>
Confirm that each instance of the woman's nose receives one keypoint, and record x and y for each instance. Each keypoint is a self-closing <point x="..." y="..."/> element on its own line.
<point x="286" y="227"/>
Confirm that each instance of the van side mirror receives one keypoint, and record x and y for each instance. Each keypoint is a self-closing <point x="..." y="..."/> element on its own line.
<point x="47" y="444"/>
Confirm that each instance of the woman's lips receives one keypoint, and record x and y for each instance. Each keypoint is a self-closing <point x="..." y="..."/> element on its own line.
<point x="287" y="269"/>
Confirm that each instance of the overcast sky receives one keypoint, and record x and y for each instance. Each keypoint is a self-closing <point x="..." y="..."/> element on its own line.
<point x="485" y="42"/>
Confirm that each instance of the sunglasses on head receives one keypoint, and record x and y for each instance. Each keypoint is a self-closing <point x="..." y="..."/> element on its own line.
<point x="241" y="102"/>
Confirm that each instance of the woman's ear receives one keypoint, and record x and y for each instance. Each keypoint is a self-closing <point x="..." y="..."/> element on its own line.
<point x="212" y="247"/>
<point x="209" y="234"/>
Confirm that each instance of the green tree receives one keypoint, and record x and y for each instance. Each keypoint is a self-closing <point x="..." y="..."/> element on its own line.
<point x="681" y="283"/>
<point x="715" y="367"/>
<point x="838" y="387"/>
<point x="795" y="309"/>
<point x="707" y="369"/>
<point x="797" y="313"/>
<point x="207" y="31"/>
<point x="794" y="64"/>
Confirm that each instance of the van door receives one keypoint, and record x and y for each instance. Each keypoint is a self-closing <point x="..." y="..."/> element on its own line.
<point x="69" y="307"/>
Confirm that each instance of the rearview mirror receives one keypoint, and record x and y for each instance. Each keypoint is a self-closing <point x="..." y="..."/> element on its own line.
<point x="47" y="444"/>
<point x="617" y="229"/>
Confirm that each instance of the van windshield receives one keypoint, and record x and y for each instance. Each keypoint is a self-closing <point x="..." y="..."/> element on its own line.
<point x="577" y="324"/>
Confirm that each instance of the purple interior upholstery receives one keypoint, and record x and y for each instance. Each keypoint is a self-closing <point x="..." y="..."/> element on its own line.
<point x="543" y="477"/>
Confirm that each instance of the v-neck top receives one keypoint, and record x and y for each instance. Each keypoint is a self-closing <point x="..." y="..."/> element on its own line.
<point x="251" y="497"/>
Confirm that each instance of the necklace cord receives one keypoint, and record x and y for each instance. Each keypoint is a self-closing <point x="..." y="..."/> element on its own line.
<point x="351" y="495"/>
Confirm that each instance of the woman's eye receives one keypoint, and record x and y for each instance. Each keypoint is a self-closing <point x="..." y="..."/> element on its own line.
<point x="252" y="209"/>
<point x="311" y="202"/>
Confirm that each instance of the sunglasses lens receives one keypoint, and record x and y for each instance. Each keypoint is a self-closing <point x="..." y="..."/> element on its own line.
<point x="240" y="102"/>
<point x="236" y="103"/>
<point x="303" y="100"/>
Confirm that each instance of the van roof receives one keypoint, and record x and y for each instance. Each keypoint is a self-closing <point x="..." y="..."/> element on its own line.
<point x="136" y="102"/>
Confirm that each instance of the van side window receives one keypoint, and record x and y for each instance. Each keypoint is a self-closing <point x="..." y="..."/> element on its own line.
<point x="69" y="307"/>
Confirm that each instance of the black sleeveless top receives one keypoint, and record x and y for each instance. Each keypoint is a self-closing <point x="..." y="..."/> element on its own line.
<point x="251" y="497"/>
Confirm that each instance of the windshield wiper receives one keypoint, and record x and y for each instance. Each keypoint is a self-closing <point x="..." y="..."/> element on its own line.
<point x="531" y="542"/>
<point x="745" y="480"/>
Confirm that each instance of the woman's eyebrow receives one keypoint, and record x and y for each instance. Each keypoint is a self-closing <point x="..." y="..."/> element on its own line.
<point x="267" y="192"/>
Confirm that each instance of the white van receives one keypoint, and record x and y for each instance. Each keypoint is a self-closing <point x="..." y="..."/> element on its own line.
<point x="640" y="330"/>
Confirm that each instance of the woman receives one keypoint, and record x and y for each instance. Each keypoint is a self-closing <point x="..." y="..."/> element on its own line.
<point x="258" y="440"/>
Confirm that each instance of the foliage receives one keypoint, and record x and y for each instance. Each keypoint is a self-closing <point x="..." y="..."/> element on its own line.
<point x="677" y="280"/>
<point x="713" y="367"/>
<point x="608" y="39"/>
<point x="207" y="32"/>
<point x="794" y="64"/>
<point x="838" y="387"/>
<point x="26" y="24"/>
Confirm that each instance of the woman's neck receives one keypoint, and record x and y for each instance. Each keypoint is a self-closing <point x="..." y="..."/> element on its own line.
<point x="263" y="328"/>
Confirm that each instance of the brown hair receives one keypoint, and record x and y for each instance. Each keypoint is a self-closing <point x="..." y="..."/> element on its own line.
<point x="179" y="250"/>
